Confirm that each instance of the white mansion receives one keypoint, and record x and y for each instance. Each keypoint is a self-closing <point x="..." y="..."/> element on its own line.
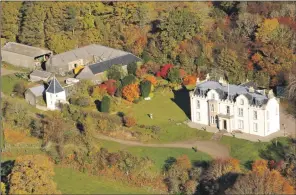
<point x="234" y="107"/>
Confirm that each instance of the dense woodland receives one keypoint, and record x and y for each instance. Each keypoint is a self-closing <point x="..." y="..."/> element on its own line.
<point x="241" y="40"/>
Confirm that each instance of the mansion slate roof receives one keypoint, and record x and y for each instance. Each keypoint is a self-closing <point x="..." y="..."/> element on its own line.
<point x="25" y="49"/>
<point x="231" y="92"/>
<point x="54" y="86"/>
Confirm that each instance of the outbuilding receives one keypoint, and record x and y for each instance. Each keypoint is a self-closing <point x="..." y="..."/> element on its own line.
<point x="35" y="94"/>
<point x="39" y="75"/>
<point x="23" y="55"/>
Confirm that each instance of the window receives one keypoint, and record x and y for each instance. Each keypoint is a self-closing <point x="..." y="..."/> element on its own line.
<point x="240" y="112"/>
<point x="198" y="116"/>
<point x="212" y="120"/>
<point x="267" y="115"/>
<point x="241" y="102"/>
<point x="213" y="96"/>
<point x="227" y="109"/>
<point x="197" y="104"/>
<point x="212" y="107"/>
<point x="240" y="124"/>
<point x="255" y="115"/>
<point x="255" y="127"/>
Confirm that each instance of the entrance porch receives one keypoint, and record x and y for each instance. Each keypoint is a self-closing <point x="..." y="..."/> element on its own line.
<point x="225" y="122"/>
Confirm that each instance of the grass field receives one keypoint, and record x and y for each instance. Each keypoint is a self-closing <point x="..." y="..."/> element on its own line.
<point x="158" y="155"/>
<point x="169" y="111"/>
<point x="70" y="181"/>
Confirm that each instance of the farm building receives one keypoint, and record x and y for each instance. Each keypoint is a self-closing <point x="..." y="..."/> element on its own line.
<point x="91" y="54"/>
<point x="96" y="72"/>
<point x="23" y="55"/>
<point x="38" y="75"/>
<point x="34" y="94"/>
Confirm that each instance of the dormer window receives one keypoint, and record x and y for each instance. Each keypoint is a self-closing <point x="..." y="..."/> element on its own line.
<point x="241" y="102"/>
<point x="213" y="96"/>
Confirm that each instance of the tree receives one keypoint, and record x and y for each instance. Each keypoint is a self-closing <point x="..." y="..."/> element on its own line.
<point x="115" y="72"/>
<point x="165" y="70"/>
<point x="228" y="62"/>
<point x="174" y="75"/>
<point x="261" y="181"/>
<point x="105" y="105"/>
<point x="110" y="86"/>
<point x="152" y="79"/>
<point x="129" y="79"/>
<point x="20" y="88"/>
<point x="132" y="68"/>
<point x="3" y="188"/>
<point x="129" y="121"/>
<point x="267" y="30"/>
<point x="32" y="174"/>
<point x="131" y="92"/>
<point x="145" y="88"/>
<point x="189" y="80"/>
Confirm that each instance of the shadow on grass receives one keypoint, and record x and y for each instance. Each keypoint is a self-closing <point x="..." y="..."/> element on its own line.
<point x="181" y="98"/>
<point x="6" y="168"/>
<point x="274" y="151"/>
<point x="98" y="105"/>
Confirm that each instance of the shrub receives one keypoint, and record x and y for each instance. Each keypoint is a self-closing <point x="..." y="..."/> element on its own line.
<point x="131" y="92"/>
<point x="19" y="88"/>
<point x="82" y="101"/>
<point x="174" y="75"/>
<point x="115" y="72"/>
<point x="110" y="86"/>
<point x="132" y="68"/>
<point x="129" y="121"/>
<point x="129" y="79"/>
<point x="189" y="80"/>
<point x="145" y="87"/>
<point x="105" y="105"/>
<point x="99" y="92"/>
<point x="165" y="70"/>
<point x="151" y="78"/>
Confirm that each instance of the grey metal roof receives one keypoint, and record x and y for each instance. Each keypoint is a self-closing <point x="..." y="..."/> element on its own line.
<point x="39" y="73"/>
<point x="54" y="86"/>
<point x="233" y="91"/>
<point x="25" y="49"/>
<point x="86" y="73"/>
<point x="98" y="52"/>
<point x="123" y="60"/>
<point x="37" y="90"/>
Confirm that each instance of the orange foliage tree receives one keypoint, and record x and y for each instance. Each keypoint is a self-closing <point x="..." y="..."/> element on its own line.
<point x="189" y="80"/>
<point x="131" y="92"/>
<point x="151" y="78"/>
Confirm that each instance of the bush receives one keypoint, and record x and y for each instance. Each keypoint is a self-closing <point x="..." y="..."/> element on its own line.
<point x="145" y="88"/>
<point x="129" y="79"/>
<point x="105" y="105"/>
<point x="19" y="88"/>
<point x="115" y="72"/>
<point x="82" y="101"/>
<point x="129" y="121"/>
<point x="131" y="92"/>
<point x="174" y="75"/>
<point x="132" y="68"/>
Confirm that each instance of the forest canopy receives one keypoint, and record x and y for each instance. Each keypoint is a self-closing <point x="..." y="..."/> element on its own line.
<point x="243" y="40"/>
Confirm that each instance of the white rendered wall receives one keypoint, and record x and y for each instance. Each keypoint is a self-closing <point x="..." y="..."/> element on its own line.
<point x="272" y="107"/>
<point x="52" y="99"/>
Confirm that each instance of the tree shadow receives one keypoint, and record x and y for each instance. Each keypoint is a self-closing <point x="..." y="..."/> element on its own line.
<point x="168" y="163"/>
<point x="98" y="104"/>
<point x="198" y="163"/>
<point x="6" y="168"/>
<point x="181" y="98"/>
<point x="248" y="164"/>
<point x="274" y="151"/>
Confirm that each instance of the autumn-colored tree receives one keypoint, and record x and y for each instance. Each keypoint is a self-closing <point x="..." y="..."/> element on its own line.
<point x="267" y="30"/>
<point x="189" y="80"/>
<point x="141" y="72"/>
<point x="32" y="174"/>
<point x="131" y="92"/>
<point x="261" y="181"/>
<point x="3" y="188"/>
<point x="110" y="86"/>
<point x="151" y="78"/>
<point x="165" y="70"/>
<point x="182" y="73"/>
<point x="129" y="121"/>
<point x="99" y="91"/>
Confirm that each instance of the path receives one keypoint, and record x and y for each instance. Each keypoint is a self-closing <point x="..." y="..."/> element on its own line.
<point x="212" y="148"/>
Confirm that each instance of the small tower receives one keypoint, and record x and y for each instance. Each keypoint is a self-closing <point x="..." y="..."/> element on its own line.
<point x="55" y="94"/>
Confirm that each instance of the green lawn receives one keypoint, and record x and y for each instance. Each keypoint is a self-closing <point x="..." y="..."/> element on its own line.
<point x="169" y="112"/>
<point x="70" y="181"/>
<point x="158" y="155"/>
<point x="8" y="83"/>
<point x="247" y="151"/>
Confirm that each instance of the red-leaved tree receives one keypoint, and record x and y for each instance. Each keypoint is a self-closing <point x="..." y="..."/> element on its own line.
<point x="165" y="70"/>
